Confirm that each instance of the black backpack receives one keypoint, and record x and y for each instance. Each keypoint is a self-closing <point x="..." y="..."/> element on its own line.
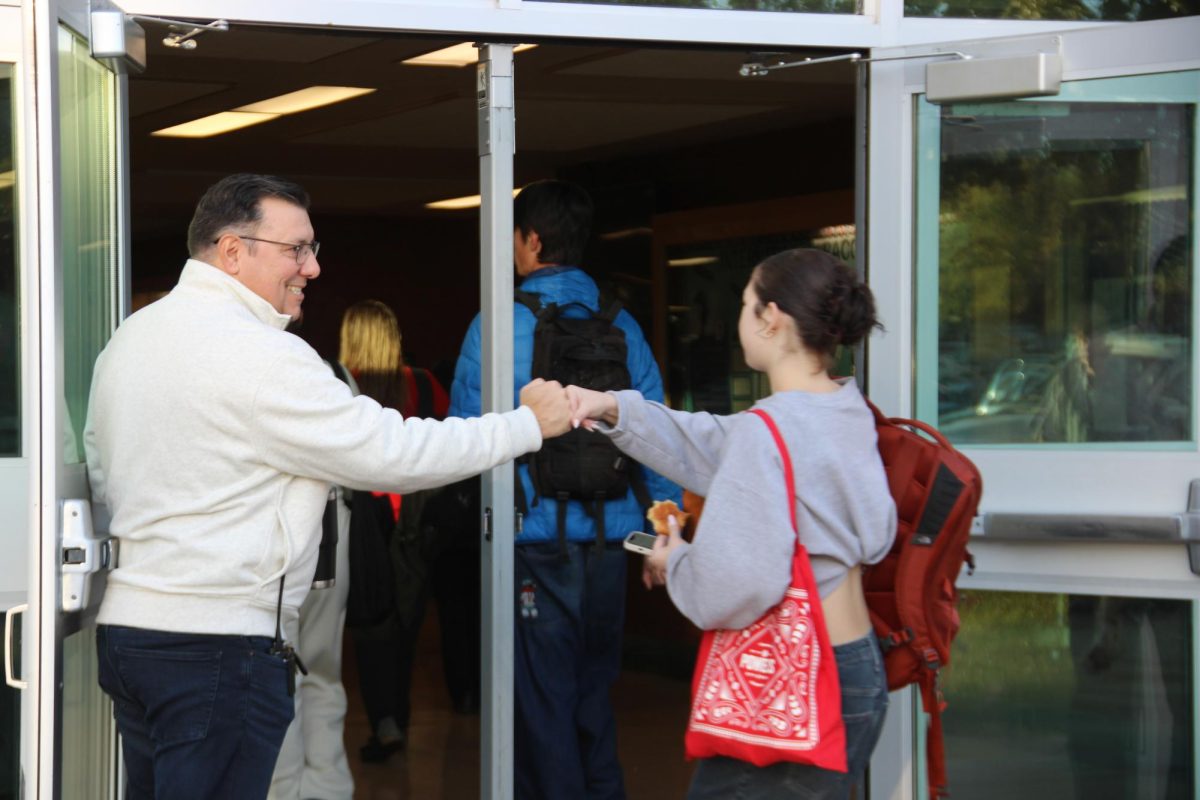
<point x="372" y="595"/>
<point x="579" y="465"/>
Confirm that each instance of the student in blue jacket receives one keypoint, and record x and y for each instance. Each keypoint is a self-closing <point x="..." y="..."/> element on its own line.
<point x="570" y="607"/>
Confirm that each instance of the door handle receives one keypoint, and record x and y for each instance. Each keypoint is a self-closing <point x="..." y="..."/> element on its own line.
<point x="15" y="683"/>
<point x="1162" y="529"/>
<point x="83" y="553"/>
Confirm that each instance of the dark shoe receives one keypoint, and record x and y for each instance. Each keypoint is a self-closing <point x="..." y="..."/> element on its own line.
<point x="376" y="752"/>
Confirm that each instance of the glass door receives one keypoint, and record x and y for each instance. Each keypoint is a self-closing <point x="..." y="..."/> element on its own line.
<point x="14" y="430"/>
<point x="79" y="263"/>
<point x="1050" y="333"/>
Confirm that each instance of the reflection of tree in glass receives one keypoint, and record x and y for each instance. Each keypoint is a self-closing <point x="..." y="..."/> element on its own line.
<point x="811" y="6"/>
<point x="1001" y="240"/>
<point x="1116" y="10"/>
<point x="1056" y="251"/>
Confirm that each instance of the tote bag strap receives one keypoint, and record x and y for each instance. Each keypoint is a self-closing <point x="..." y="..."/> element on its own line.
<point x="788" y="475"/>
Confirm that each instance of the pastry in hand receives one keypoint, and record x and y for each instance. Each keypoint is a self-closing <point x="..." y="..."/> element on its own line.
<point x="658" y="513"/>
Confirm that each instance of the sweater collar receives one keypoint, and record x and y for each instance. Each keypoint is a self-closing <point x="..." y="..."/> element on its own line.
<point x="205" y="277"/>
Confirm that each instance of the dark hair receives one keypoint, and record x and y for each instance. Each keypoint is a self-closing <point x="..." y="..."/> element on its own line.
<point x="561" y="214"/>
<point x="235" y="202"/>
<point x="828" y="302"/>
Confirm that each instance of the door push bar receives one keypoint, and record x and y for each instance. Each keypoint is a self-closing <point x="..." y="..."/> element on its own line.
<point x="1165" y="529"/>
<point x="83" y="554"/>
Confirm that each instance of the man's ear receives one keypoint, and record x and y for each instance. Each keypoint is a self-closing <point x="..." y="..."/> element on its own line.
<point x="534" y="243"/>
<point x="227" y="253"/>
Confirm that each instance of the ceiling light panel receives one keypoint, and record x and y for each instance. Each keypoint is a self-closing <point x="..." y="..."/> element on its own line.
<point x="215" y="124"/>
<point x="459" y="55"/>
<point x="697" y="261"/>
<point x="305" y="99"/>
<point x="456" y="203"/>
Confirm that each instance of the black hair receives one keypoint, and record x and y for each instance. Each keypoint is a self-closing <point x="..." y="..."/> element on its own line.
<point x="824" y="296"/>
<point x="561" y="214"/>
<point x="235" y="201"/>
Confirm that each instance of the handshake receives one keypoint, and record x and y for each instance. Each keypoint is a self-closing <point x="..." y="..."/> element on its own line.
<point x="558" y="410"/>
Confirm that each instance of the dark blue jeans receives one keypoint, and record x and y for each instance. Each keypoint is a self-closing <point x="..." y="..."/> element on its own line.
<point x="201" y="716"/>
<point x="864" y="704"/>
<point x="569" y="620"/>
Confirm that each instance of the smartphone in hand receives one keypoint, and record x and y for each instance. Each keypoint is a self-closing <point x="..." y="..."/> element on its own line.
<point x="639" y="542"/>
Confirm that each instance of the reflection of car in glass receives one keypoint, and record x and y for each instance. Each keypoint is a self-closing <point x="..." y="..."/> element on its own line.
<point x="1015" y="385"/>
<point x="1008" y="406"/>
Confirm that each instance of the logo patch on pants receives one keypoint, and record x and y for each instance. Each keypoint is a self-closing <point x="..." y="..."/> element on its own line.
<point x="528" y="599"/>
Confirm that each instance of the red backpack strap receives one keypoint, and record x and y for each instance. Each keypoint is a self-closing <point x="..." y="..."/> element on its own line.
<point x="788" y="474"/>
<point x="935" y="746"/>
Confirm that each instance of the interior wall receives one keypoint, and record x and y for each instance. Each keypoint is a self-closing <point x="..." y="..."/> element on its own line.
<point x="427" y="269"/>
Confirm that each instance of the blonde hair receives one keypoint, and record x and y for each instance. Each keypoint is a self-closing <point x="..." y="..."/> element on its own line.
<point x="370" y="349"/>
<point x="370" y="338"/>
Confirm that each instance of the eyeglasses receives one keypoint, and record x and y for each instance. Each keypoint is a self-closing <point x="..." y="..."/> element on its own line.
<point x="299" y="251"/>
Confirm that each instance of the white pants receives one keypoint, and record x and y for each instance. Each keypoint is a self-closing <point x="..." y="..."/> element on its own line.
<point x="312" y="762"/>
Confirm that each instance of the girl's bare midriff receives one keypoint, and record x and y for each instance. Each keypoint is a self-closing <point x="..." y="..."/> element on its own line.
<point x="846" y="616"/>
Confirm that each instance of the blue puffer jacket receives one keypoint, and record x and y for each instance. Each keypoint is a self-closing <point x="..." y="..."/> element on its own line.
<point x="563" y="285"/>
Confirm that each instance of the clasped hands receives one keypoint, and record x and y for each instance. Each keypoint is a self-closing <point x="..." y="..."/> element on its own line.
<point x="558" y="410"/>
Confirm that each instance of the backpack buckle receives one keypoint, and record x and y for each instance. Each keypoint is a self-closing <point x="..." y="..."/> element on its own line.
<point x="931" y="658"/>
<point x="895" y="639"/>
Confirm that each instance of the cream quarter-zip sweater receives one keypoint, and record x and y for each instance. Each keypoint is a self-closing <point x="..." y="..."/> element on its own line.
<point x="213" y="436"/>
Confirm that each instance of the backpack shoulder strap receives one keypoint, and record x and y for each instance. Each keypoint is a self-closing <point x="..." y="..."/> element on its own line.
<point x="531" y="301"/>
<point x="424" y="392"/>
<point x="609" y="309"/>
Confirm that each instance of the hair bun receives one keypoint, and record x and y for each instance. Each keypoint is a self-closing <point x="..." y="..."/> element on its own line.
<point x="855" y="313"/>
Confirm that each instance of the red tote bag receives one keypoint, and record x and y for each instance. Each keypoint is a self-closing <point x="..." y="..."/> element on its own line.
<point x="770" y="692"/>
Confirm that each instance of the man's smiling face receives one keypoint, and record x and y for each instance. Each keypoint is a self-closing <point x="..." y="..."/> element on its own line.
<point x="270" y="270"/>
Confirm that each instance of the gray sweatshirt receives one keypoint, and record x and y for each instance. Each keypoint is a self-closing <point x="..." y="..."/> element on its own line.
<point x="740" y="561"/>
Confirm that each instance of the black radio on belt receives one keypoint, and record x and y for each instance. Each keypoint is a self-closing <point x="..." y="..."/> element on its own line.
<point x="292" y="659"/>
<point x="283" y="650"/>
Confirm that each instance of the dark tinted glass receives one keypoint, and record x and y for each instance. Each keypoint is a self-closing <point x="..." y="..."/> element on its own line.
<point x="10" y="376"/>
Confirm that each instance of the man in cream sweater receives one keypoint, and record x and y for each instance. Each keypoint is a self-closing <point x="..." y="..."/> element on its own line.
<point x="213" y="436"/>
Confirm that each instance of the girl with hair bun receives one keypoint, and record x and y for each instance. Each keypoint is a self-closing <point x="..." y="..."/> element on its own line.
<point x="798" y="307"/>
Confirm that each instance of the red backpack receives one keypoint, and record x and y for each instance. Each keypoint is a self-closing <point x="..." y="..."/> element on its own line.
<point x="911" y="593"/>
